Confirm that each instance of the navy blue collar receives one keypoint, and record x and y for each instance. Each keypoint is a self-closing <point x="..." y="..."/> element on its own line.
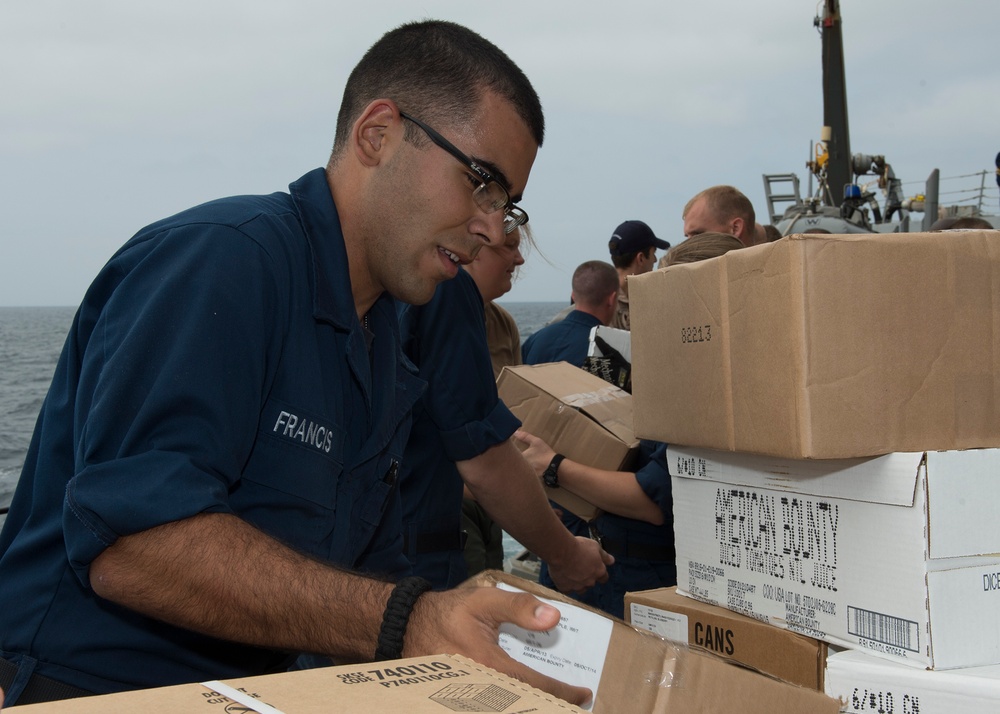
<point x="578" y="315"/>
<point x="333" y="300"/>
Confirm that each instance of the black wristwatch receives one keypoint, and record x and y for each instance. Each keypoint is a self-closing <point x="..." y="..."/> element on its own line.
<point x="550" y="477"/>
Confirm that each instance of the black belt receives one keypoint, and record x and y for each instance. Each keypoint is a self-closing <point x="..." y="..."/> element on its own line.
<point x="38" y="689"/>
<point x="440" y="541"/>
<point x="633" y="549"/>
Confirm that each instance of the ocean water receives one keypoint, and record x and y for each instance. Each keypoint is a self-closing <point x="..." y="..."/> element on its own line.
<point x="31" y="339"/>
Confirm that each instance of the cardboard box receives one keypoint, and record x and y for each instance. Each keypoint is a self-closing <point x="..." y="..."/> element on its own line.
<point x="772" y="650"/>
<point x="868" y="684"/>
<point x="576" y="413"/>
<point x="421" y="685"/>
<point x="640" y="673"/>
<point x="819" y="346"/>
<point x="896" y="554"/>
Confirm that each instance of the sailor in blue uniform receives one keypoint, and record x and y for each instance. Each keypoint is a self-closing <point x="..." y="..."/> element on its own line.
<point x="218" y="455"/>
<point x="565" y="341"/>
<point x="165" y="428"/>
<point x="635" y="524"/>
<point x="461" y="434"/>
<point x="595" y="297"/>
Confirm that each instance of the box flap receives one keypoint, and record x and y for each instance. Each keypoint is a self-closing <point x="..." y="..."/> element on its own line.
<point x="963" y="489"/>
<point x="889" y="479"/>
<point x="868" y="681"/>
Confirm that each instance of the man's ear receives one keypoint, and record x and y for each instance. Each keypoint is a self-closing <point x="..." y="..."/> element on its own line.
<point x="737" y="225"/>
<point x="374" y="131"/>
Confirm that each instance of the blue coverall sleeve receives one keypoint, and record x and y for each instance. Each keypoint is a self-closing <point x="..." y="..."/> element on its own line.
<point x="446" y="338"/>
<point x="653" y="477"/>
<point x="164" y="412"/>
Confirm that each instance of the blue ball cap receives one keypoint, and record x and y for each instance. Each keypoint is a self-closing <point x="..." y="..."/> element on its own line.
<point x="632" y="237"/>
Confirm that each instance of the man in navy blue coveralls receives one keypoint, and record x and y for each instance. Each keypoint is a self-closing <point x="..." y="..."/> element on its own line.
<point x="595" y="295"/>
<point x="220" y="446"/>
<point x="461" y="435"/>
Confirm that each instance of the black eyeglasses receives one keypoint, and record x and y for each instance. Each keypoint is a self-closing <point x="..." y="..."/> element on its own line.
<point x="490" y="195"/>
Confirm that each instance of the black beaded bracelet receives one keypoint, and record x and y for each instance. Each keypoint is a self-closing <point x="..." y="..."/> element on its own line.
<point x="397" y="614"/>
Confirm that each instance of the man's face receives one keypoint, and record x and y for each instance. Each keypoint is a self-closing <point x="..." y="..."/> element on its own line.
<point x="427" y="222"/>
<point x="647" y="264"/>
<point x="700" y="220"/>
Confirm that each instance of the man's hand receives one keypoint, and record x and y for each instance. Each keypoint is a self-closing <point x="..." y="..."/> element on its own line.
<point x="538" y="453"/>
<point x="506" y="485"/>
<point x="467" y="621"/>
<point x="580" y="568"/>
<point x="584" y="564"/>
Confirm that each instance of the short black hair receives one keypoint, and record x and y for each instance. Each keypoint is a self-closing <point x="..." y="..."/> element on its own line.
<point x="437" y="71"/>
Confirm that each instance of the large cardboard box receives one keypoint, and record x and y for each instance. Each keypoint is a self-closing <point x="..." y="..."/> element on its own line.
<point x="898" y="554"/>
<point x="819" y="346"/>
<point x="421" y="685"/>
<point x="870" y="685"/>
<point x="576" y="413"/>
<point x="772" y="650"/>
<point x="635" y="671"/>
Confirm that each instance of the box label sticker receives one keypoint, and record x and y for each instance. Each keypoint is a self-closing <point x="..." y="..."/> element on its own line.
<point x="559" y="653"/>
<point x="671" y="625"/>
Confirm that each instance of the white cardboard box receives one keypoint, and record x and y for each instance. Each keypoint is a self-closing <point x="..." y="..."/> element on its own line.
<point x="868" y="684"/>
<point x="898" y="554"/>
<point x="621" y="340"/>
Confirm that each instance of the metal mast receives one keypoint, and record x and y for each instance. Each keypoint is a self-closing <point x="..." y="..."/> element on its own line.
<point x="835" y="100"/>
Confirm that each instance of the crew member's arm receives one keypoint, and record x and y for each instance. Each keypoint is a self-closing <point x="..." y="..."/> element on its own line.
<point x="616" y="492"/>
<point x="216" y="574"/>
<point x="504" y="484"/>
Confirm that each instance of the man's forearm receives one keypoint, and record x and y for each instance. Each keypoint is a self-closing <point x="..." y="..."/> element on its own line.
<point x="506" y="487"/>
<point x="218" y="575"/>
<point x="616" y="492"/>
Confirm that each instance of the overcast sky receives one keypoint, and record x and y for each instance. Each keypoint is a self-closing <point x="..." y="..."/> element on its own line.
<point x="116" y="113"/>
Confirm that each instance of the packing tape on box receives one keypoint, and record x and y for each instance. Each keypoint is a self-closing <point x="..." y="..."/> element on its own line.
<point x="241" y="698"/>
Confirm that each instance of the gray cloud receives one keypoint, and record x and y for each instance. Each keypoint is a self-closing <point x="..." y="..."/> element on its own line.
<point x="116" y="113"/>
